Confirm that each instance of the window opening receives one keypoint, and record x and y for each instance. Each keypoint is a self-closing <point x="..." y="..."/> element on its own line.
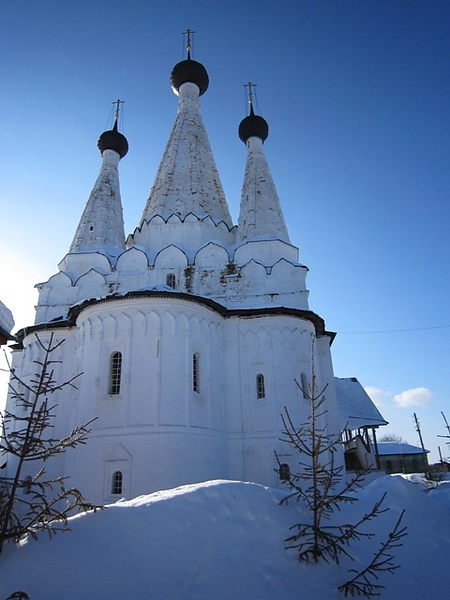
<point x="171" y="280"/>
<point x="195" y="373"/>
<point x="285" y="472"/>
<point x="305" y="386"/>
<point x="116" y="483"/>
<point x="260" y="386"/>
<point x="115" y="373"/>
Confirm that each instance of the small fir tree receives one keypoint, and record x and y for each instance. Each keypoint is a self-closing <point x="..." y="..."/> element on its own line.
<point x="29" y="501"/>
<point x="322" y="486"/>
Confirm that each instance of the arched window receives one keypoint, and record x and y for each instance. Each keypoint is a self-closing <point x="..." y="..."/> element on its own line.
<point x="284" y="472"/>
<point x="260" y="386"/>
<point x="195" y="372"/>
<point x="116" y="483"/>
<point x="115" y="372"/>
<point x="171" y="280"/>
<point x="305" y="387"/>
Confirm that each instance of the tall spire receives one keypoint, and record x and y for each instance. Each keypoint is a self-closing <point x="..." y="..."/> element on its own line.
<point x="260" y="213"/>
<point x="101" y="227"/>
<point x="187" y="180"/>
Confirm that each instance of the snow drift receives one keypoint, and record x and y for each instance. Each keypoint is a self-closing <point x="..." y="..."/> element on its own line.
<point x="222" y="540"/>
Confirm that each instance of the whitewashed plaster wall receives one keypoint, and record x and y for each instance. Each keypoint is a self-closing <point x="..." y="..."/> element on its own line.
<point x="26" y="367"/>
<point x="191" y="233"/>
<point x="157" y="431"/>
<point x="171" y="433"/>
<point x="231" y="277"/>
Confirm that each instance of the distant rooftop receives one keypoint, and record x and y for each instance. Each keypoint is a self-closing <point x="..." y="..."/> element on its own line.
<point x="388" y="448"/>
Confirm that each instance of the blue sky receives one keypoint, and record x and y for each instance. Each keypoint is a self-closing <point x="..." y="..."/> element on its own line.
<point x="356" y="94"/>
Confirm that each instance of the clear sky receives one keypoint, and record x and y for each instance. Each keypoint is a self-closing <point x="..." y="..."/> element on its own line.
<point x="356" y="94"/>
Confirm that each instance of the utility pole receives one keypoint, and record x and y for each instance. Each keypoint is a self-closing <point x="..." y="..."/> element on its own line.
<point x="447" y="425"/>
<point x="445" y="436"/>
<point x="421" y="443"/>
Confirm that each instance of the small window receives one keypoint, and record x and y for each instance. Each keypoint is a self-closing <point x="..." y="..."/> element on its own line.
<point x="305" y="387"/>
<point x="284" y="472"/>
<point x="260" y="386"/>
<point x="116" y="483"/>
<point x="195" y="372"/>
<point x="171" y="280"/>
<point x="115" y="373"/>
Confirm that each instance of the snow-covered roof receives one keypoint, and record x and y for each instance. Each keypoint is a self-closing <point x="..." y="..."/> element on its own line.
<point x="355" y="406"/>
<point x="387" y="448"/>
<point x="187" y="180"/>
<point x="260" y="215"/>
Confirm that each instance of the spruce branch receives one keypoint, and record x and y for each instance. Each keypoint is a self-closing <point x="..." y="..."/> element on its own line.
<point x="364" y="582"/>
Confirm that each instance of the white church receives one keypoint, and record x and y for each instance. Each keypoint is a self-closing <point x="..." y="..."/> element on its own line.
<point x="191" y="331"/>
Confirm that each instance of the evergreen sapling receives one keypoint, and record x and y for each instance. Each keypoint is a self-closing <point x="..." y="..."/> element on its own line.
<point x="322" y="486"/>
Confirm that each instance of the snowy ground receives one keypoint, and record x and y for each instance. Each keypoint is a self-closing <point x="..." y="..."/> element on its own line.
<point x="223" y="540"/>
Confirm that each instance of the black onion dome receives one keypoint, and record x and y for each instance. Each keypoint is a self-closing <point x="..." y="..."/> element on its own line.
<point x="253" y="125"/>
<point x="113" y="140"/>
<point x="189" y="70"/>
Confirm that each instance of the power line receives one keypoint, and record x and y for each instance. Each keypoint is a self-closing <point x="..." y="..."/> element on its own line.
<point x="397" y="330"/>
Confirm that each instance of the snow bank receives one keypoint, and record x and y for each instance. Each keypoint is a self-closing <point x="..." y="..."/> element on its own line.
<point x="223" y="540"/>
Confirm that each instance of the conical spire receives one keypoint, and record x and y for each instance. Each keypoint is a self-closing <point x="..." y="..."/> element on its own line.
<point x="260" y="213"/>
<point x="101" y="227"/>
<point x="187" y="180"/>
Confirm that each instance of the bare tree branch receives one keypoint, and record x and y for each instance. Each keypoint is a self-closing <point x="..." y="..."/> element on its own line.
<point x="29" y="504"/>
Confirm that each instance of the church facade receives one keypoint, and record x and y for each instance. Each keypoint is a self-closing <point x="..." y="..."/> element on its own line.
<point x="190" y="332"/>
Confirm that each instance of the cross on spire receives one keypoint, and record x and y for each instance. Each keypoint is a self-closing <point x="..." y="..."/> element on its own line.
<point x="117" y="102"/>
<point x="188" y="34"/>
<point x="250" y="87"/>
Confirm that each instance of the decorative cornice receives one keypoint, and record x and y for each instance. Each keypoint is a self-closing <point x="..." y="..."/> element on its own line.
<point x="182" y="219"/>
<point x="246" y="313"/>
